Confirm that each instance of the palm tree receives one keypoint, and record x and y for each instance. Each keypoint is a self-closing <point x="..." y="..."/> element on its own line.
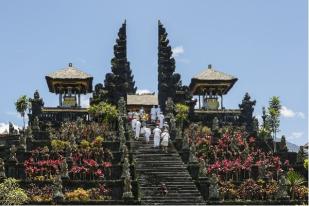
<point x="21" y="105"/>
<point x="294" y="180"/>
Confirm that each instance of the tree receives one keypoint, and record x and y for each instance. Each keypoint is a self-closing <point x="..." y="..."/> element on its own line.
<point x="273" y="117"/>
<point x="22" y="105"/>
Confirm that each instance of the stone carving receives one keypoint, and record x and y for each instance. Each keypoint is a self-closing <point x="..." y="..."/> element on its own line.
<point x="2" y="169"/>
<point x="283" y="188"/>
<point x="125" y="168"/>
<point x="215" y="124"/>
<point x="282" y="146"/>
<point x="192" y="154"/>
<point x="168" y="81"/>
<point x="122" y="107"/>
<point x="36" y="105"/>
<point x="12" y="130"/>
<point x="213" y="187"/>
<point x="64" y="169"/>
<point x="301" y="155"/>
<point x="23" y="141"/>
<point x="125" y="153"/>
<point x="13" y="151"/>
<point x="247" y="108"/>
<point x="127" y="188"/>
<point x="35" y="126"/>
<point x="185" y="143"/>
<point x="57" y="189"/>
<point x="120" y="82"/>
<point x="169" y="108"/>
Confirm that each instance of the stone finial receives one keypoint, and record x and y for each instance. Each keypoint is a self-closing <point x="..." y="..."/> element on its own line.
<point x="213" y="187"/>
<point x="2" y="169"/>
<point x="57" y="189"/>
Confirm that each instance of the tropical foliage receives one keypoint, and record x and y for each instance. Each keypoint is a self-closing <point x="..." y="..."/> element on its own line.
<point x="11" y="193"/>
<point x="22" y="105"/>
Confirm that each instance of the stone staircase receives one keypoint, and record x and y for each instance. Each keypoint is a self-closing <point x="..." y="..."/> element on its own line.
<point x="154" y="167"/>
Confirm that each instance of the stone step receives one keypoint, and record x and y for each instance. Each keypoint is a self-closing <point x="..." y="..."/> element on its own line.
<point x="171" y="187"/>
<point x="151" y="169"/>
<point x="173" y="202"/>
<point x="171" y="194"/>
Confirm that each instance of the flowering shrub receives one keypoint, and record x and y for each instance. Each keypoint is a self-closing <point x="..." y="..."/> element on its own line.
<point x="301" y="192"/>
<point x="228" y="190"/>
<point x="77" y="195"/>
<point x="250" y="190"/>
<point x="80" y="194"/>
<point x="42" y="169"/>
<point x="40" y="194"/>
<point x="59" y="145"/>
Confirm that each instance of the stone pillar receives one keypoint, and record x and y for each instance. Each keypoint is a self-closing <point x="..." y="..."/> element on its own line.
<point x="60" y="100"/>
<point x="221" y="101"/>
<point x="79" y="100"/>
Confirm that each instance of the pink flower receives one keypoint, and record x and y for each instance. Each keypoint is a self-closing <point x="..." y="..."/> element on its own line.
<point x="106" y="164"/>
<point x="99" y="173"/>
<point x="251" y="140"/>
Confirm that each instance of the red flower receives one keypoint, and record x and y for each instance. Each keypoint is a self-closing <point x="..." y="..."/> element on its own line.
<point x="106" y="164"/>
<point x="251" y="140"/>
<point x="91" y="163"/>
<point x="99" y="173"/>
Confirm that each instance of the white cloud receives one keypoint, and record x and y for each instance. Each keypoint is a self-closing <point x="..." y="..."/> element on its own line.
<point x="296" y="135"/>
<point x="301" y="115"/>
<point x="143" y="91"/>
<point x="4" y="127"/>
<point x="177" y="51"/>
<point x="289" y="113"/>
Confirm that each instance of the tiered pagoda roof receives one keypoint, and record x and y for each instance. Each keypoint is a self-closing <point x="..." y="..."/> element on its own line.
<point x="69" y="77"/>
<point x="212" y="79"/>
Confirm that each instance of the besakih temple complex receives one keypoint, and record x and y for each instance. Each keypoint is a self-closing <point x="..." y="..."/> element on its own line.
<point x="68" y="156"/>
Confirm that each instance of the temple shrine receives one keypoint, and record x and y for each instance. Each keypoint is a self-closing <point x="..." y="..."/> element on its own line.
<point x="72" y="155"/>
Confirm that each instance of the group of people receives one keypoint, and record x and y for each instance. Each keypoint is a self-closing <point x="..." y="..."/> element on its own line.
<point x="139" y="126"/>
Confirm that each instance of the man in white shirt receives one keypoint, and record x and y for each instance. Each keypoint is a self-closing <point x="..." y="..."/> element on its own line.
<point x="165" y="136"/>
<point x="161" y="120"/>
<point x="147" y="134"/>
<point x="153" y="113"/>
<point x="137" y="129"/>
<point x="133" y="123"/>
<point x="156" y="137"/>
<point x="158" y="111"/>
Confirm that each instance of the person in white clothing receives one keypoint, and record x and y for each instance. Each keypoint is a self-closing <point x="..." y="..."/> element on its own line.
<point x="141" y="111"/>
<point x="161" y="120"/>
<point x="156" y="136"/>
<point x="147" y="134"/>
<point x="133" y="123"/>
<point x="158" y="111"/>
<point x="165" y="136"/>
<point x="153" y="114"/>
<point x="137" y="129"/>
<point x="143" y="128"/>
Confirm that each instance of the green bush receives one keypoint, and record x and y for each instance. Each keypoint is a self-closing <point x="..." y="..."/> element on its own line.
<point x="11" y="193"/>
<point x="59" y="145"/>
<point x="108" y="111"/>
<point x="182" y="111"/>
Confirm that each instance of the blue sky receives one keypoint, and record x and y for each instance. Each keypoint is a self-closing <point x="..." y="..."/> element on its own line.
<point x="262" y="42"/>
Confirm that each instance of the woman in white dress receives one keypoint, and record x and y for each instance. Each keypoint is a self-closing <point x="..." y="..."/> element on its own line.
<point x="147" y="134"/>
<point x="156" y="137"/>
<point x="165" y="136"/>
